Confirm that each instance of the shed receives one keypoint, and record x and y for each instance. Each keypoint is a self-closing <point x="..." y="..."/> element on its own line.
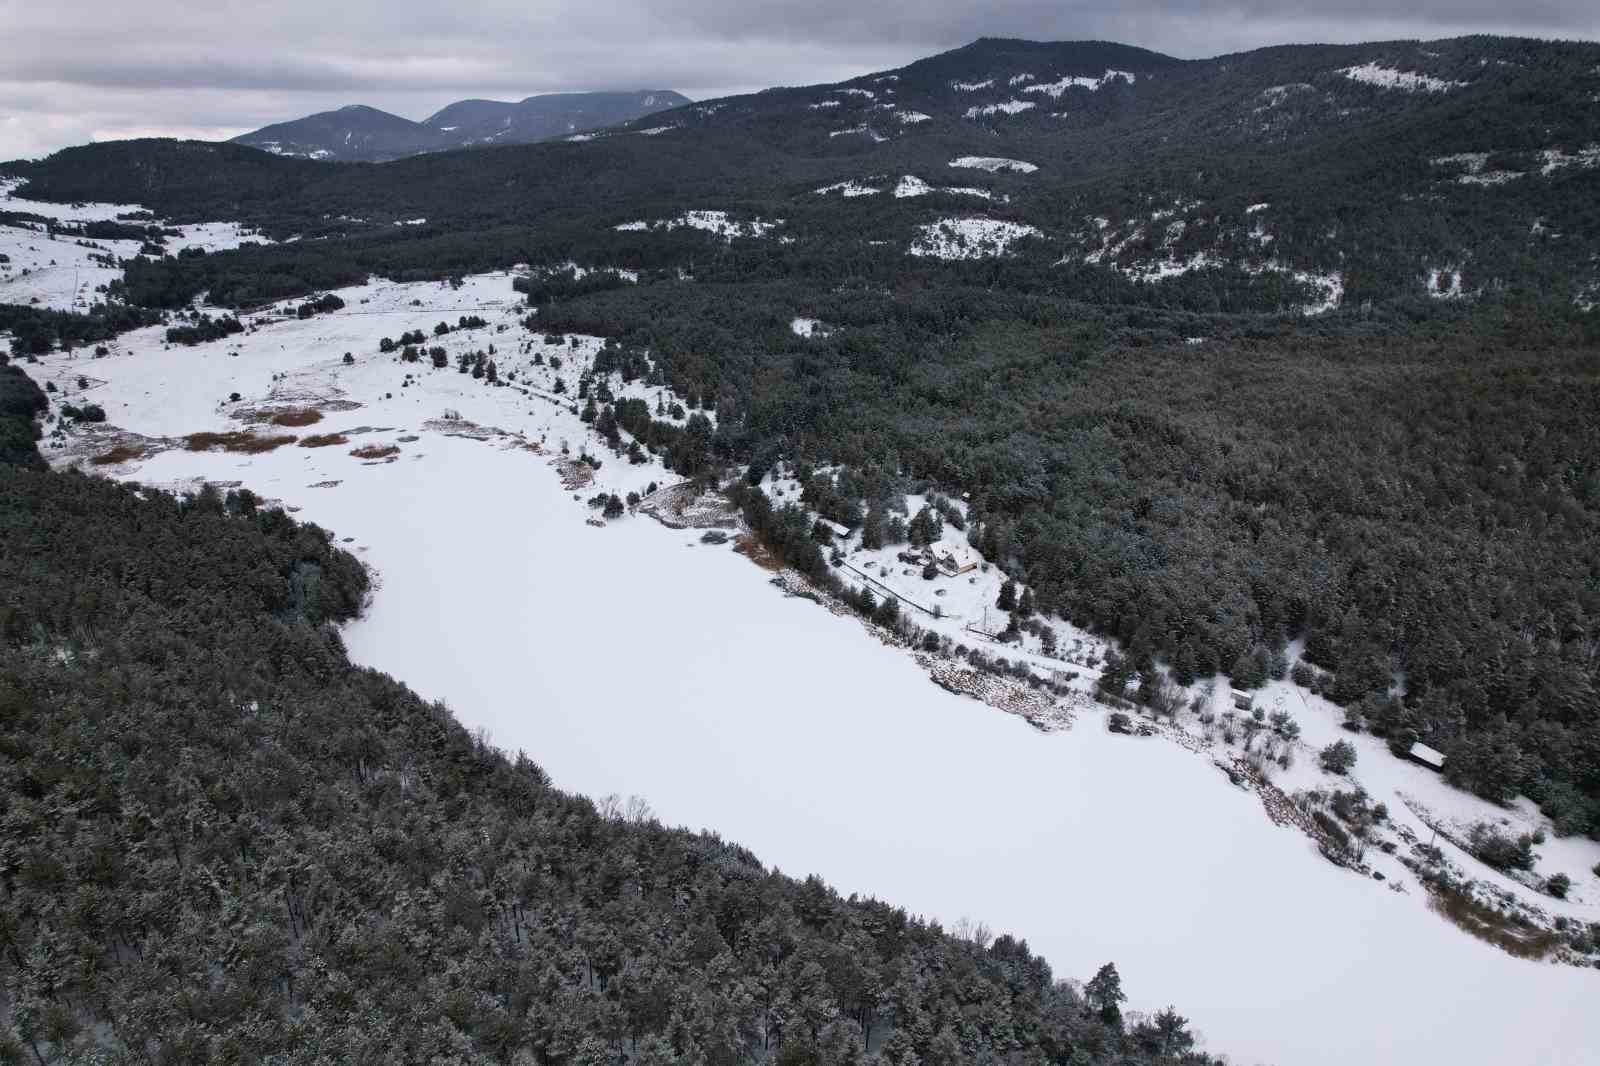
<point x="1420" y="752"/>
<point x="839" y="529"/>
<point x="1242" y="701"/>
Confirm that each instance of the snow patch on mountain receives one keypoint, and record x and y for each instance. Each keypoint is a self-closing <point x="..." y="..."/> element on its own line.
<point x="1275" y="95"/>
<point x="863" y="130"/>
<point x="969" y="238"/>
<point x="971" y="86"/>
<point x="1555" y="159"/>
<point x="1402" y="80"/>
<point x="911" y="185"/>
<point x="716" y="222"/>
<point x="910" y="118"/>
<point x="1007" y="107"/>
<point x="1444" y="283"/>
<point x="993" y="164"/>
<point x="1054" y="89"/>
<point x="848" y="188"/>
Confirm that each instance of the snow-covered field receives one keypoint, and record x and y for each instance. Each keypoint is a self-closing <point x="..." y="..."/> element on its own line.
<point x="66" y="272"/>
<point x="634" y="659"/>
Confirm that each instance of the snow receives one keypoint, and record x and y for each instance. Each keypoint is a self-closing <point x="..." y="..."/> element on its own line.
<point x="61" y="271"/>
<point x="1009" y="107"/>
<point x="1403" y="80"/>
<point x="1444" y="283"/>
<point x="1018" y="79"/>
<point x="993" y="164"/>
<point x="716" y="222"/>
<point x="1094" y="847"/>
<point x="1277" y="94"/>
<point x="820" y="104"/>
<point x="910" y="118"/>
<point x="580" y="137"/>
<point x="581" y="272"/>
<point x="1555" y="159"/>
<point x="971" y="86"/>
<point x="807" y="327"/>
<point x="1162" y="269"/>
<point x="655" y="131"/>
<point x="1490" y="177"/>
<point x="412" y="222"/>
<point x="1330" y="283"/>
<point x="867" y="93"/>
<point x="1054" y="89"/>
<point x="1253" y="208"/>
<point x="968" y="238"/>
<point x="910" y="186"/>
<point x="848" y="188"/>
<point x="863" y="129"/>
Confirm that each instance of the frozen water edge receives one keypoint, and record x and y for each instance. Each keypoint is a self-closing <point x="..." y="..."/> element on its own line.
<point x="626" y="661"/>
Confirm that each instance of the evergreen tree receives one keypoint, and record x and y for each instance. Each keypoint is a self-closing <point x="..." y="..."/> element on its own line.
<point x="1105" y="995"/>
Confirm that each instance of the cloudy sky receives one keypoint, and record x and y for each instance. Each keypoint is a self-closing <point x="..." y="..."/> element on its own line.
<point x="82" y="70"/>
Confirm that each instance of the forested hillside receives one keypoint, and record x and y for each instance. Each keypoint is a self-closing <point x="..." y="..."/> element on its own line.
<point x="222" y="842"/>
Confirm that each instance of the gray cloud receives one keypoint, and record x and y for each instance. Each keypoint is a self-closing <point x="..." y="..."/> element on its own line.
<point x="83" y="70"/>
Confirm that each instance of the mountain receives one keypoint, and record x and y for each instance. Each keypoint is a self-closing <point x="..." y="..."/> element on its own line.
<point x="353" y="134"/>
<point x="361" y="134"/>
<point x="540" y="118"/>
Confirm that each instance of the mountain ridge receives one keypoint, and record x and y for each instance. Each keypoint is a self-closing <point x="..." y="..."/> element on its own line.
<point x="359" y="133"/>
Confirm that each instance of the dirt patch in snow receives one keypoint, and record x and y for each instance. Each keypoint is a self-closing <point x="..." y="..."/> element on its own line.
<point x="751" y="548"/>
<point x="375" y="451"/>
<point x="324" y="440"/>
<point x="236" y="441"/>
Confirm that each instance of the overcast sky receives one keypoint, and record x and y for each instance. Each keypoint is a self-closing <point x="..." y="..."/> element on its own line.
<point x="73" y="71"/>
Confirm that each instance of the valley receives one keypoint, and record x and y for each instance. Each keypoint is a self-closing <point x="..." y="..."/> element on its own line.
<point x="1114" y="507"/>
<point x="687" y="680"/>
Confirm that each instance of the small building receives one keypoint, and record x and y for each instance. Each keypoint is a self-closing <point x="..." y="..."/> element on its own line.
<point x="1429" y="757"/>
<point x="955" y="560"/>
<point x="838" y="529"/>
<point x="1242" y="701"/>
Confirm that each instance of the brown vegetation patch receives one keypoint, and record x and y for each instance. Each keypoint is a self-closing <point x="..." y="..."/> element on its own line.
<point x="1511" y="934"/>
<point x="747" y="545"/>
<point x="122" y="453"/>
<point x="236" y="441"/>
<point x="323" y="440"/>
<point x="375" y="451"/>
<point x="293" y="416"/>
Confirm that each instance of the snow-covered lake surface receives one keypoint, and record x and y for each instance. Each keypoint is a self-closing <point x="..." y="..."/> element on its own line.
<point x="633" y="659"/>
